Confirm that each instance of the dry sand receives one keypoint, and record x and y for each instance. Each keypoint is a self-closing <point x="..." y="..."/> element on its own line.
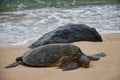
<point x="107" y="68"/>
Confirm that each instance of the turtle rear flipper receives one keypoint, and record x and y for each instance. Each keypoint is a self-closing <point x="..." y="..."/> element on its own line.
<point x="97" y="56"/>
<point x="14" y="64"/>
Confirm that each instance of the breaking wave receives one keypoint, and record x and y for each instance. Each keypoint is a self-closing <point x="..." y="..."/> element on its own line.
<point x="18" y="27"/>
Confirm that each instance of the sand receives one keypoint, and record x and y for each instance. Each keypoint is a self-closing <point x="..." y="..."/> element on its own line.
<point x="107" y="68"/>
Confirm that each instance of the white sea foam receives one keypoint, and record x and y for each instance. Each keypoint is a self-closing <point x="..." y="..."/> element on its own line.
<point x="21" y="43"/>
<point x="19" y="27"/>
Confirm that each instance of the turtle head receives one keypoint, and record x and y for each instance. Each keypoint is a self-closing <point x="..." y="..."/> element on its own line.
<point x="84" y="61"/>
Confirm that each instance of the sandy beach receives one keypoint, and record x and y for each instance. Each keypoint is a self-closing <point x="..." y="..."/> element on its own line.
<point x="107" y="68"/>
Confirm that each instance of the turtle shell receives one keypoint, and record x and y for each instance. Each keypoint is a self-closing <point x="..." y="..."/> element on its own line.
<point x="49" y="54"/>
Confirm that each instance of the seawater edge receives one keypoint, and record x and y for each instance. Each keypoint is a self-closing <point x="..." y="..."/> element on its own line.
<point x="20" y="26"/>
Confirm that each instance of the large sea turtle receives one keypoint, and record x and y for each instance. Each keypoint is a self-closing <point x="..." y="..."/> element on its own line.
<point x="67" y="34"/>
<point x="66" y="56"/>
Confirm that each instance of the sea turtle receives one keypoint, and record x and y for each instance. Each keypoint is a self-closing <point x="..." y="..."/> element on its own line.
<point x="66" y="56"/>
<point x="67" y="34"/>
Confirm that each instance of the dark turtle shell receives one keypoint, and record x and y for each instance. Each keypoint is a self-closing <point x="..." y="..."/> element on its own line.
<point x="49" y="54"/>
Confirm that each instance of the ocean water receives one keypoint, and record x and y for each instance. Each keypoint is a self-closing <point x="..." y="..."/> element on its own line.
<point x="19" y="27"/>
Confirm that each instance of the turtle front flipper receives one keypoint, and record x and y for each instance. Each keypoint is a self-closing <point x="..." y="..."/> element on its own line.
<point x="69" y="66"/>
<point x="97" y="56"/>
<point x="67" y="63"/>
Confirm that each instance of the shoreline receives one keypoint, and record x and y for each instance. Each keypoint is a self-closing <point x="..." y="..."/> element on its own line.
<point x="107" y="68"/>
<point x="31" y="40"/>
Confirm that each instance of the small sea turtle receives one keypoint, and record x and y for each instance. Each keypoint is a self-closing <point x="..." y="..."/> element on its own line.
<point x="66" y="56"/>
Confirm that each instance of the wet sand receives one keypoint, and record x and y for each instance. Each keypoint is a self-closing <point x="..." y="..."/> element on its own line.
<point x="107" y="68"/>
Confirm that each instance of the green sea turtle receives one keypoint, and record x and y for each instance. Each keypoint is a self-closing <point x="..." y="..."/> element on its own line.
<point x="66" y="56"/>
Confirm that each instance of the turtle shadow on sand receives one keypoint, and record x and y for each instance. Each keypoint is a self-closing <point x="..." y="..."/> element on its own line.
<point x="65" y="56"/>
